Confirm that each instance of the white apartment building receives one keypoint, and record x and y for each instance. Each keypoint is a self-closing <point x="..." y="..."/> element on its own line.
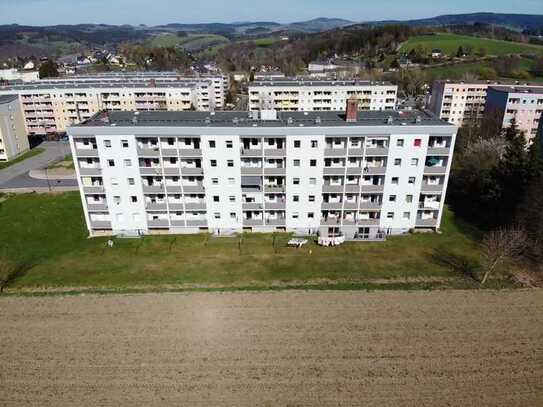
<point x="524" y="104"/>
<point x="221" y="83"/>
<point x="51" y="106"/>
<point x="317" y="95"/>
<point x="225" y="172"/>
<point x="13" y="74"/>
<point x="13" y="139"/>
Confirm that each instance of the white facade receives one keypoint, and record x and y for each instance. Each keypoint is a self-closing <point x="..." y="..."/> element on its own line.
<point x="188" y="172"/>
<point x="13" y="138"/>
<point x="318" y="95"/>
<point x="16" y="75"/>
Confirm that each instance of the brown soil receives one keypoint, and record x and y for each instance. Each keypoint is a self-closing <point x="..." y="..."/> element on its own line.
<point x="294" y="348"/>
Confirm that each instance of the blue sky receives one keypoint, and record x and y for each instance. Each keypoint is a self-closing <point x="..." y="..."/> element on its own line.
<point x="45" y="12"/>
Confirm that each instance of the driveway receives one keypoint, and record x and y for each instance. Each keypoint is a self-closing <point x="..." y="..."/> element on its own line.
<point x="15" y="176"/>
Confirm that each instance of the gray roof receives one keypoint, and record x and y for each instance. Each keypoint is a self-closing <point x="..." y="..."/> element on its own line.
<point x="52" y="86"/>
<point x="245" y="119"/>
<point x="8" y="98"/>
<point x="519" y="89"/>
<point x="316" y="83"/>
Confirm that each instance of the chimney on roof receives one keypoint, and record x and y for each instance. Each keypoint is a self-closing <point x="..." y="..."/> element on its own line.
<point x="351" y="114"/>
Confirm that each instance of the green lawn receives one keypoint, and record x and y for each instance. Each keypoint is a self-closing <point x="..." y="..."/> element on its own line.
<point x="190" y="42"/>
<point x="449" y="43"/>
<point x="22" y="157"/>
<point x="45" y="235"/>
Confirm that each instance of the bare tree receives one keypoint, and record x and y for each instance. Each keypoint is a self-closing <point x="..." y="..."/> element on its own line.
<point x="501" y="245"/>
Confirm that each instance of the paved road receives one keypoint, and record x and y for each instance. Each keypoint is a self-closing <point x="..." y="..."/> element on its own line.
<point x="9" y="176"/>
<point x="26" y="181"/>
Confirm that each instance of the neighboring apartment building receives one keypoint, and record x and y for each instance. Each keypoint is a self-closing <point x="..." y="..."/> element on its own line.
<point x="16" y="75"/>
<point x="13" y="139"/>
<point x="522" y="103"/>
<point x="317" y="95"/>
<point x="51" y="106"/>
<point x="360" y="175"/>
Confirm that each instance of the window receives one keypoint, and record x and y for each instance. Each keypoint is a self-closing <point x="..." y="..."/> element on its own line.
<point x="295" y="215"/>
<point x="310" y="215"/>
<point x="312" y="163"/>
<point x="406" y="215"/>
<point x="232" y="198"/>
<point x="392" y="198"/>
<point x="409" y="198"/>
<point x="107" y="143"/>
<point x="311" y="198"/>
<point x="395" y="180"/>
<point x="312" y="181"/>
<point x="399" y="142"/>
<point x="117" y="200"/>
<point x="397" y="161"/>
<point x="213" y="163"/>
<point x="297" y="143"/>
<point x="230" y="163"/>
<point x="134" y="198"/>
<point x="216" y="198"/>
<point x="211" y="143"/>
<point x="214" y="181"/>
<point x="128" y="162"/>
<point x="229" y="144"/>
<point x="124" y="143"/>
<point x="417" y="142"/>
<point x="231" y="181"/>
<point x="411" y="180"/>
<point x="295" y="198"/>
<point x="233" y="215"/>
<point x="390" y="215"/>
<point x="114" y="181"/>
<point x="414" y="162"/>
<point x="296" y="163"/>
<point x="314" y="143"/>
<point x="111" y="163"/>
<point x="131" y="181"/>
<point x="296" y="181"/>
<point x="217" y="215"/>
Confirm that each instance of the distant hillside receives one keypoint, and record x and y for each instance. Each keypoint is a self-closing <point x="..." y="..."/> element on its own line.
<point x="318" y="24"/>
<point x="516" y="21"/>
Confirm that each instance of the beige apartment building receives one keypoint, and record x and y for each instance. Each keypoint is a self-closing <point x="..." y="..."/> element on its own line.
<point x="13" y="139"/>
<point x="51" y="106"/>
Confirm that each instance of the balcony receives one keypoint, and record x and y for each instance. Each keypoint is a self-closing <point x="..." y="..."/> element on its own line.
<point x="179" y="223"/>
<point x="148" y="152"/>
<point x="275" y="171"/>
<point x="90" y="171"/>
<point x="334" y="206"/>
<point x="368" y="222"/>
<point x="375" y="170"/>
<point x="193" y="189"/>
<point x="356" y="152"/>
<point x="150" y="171"/>
<point x="377" y="151"/>
<point x="197" y="222"/>
<point x="192" y="171"/>
<point x="251" y="152"/>
<point x="253" y="222"/>
<point x="330" y="221"/>
<point x="335" y="152"/>
<point x="173" y="189"/>
<point x="275" y="152"/>
<point x="169" y="152"/>
<point x="98" y="189"/>
<point x="276" y="222"/>
<point x="352" y="188"/>
<point x="332" y="188"/>
<point x="439" y="151"/>
<point x="274" y="189"/>
<point x="429" y="205"/>
<point x="252" y="206"/>
<point x="435" y="170"/>
<point x="334" y="170"/>
<point x="275" y="206"/>
<point x="153" y="189"/>
<point x="431" y="188"/>
<point x="366" y="205"/>
<point x="251" y="171"/>
<point x="251" y="189"/>
<point x="86" y="152"/>
<point x="97" y="207"/>
<point x="171" y="171"/>
<point x="350" y="206"/>
<point x="100" y="224"/>
<point x="372" y="188"/>
<point x="430" y="222"/>
<point x="176" y="207"/>
<point x="190" y="152"/>
<point x="158" y="223"/>
<point x="194" y="206"/>
<point x="156" y="206"/>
